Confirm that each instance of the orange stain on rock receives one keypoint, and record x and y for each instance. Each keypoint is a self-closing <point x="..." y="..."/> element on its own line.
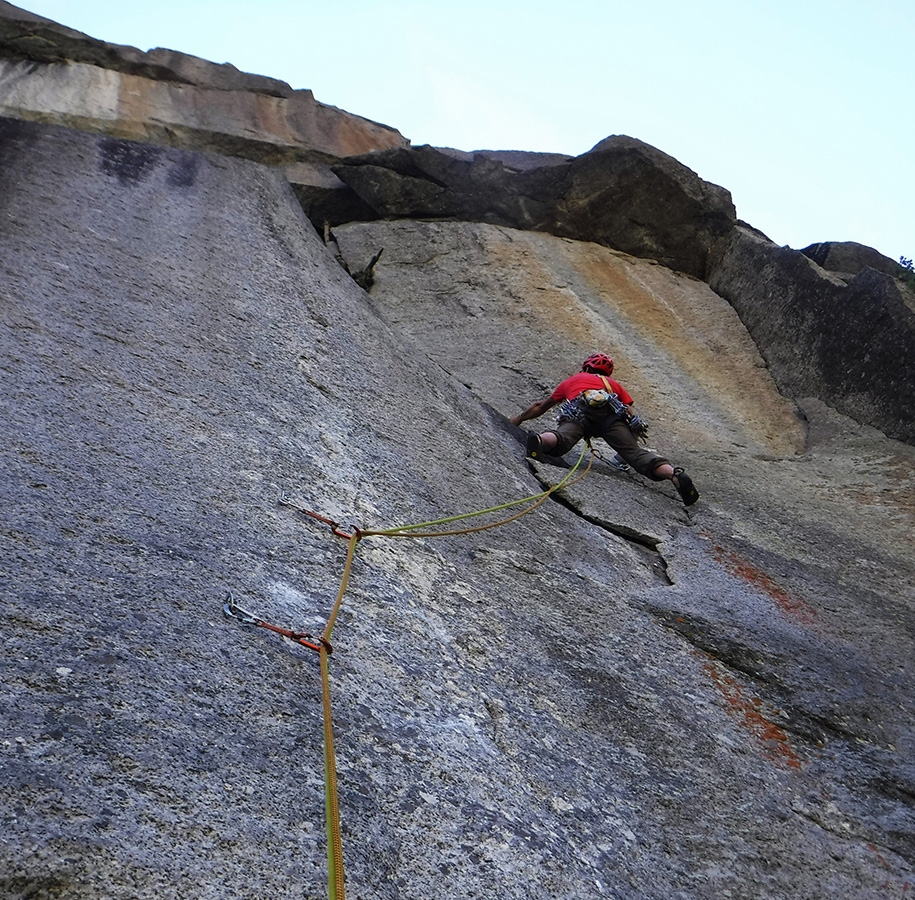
<point x="749" y="711"/>
<point x="788" y="604"/>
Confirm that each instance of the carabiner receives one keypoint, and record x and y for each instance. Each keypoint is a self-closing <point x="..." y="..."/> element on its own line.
<point x="231" y="608"/>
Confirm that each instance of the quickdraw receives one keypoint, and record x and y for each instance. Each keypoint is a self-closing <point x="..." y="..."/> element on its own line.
<point x="233" y="610"/>
<point x="335" y="527"/>
<point x="321" y="645"/>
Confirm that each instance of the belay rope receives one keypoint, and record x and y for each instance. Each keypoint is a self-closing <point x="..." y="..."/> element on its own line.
<point x="323" y="647"/>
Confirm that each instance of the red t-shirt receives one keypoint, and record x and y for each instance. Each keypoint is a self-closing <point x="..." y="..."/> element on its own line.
<point x="587" y="381"/>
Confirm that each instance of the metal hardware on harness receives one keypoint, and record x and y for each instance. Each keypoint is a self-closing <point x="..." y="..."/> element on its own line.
<point x="639" y="427"/>
<point x="570" y="411"/>
<point x="577" y="409"/>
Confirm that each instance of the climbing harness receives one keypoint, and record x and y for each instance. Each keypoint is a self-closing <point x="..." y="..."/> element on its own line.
<point x="605" y="400"/>
<point x="322" y="646"/>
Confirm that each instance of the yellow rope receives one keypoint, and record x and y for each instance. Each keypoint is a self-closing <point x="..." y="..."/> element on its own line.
<point x="344" y="581"/>
<point x="335" y="841"/>
<point x="336" y="881"/>
<point x="539" y="498"/>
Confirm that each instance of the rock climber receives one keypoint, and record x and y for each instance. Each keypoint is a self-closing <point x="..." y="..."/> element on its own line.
<point x="594" y="405"/>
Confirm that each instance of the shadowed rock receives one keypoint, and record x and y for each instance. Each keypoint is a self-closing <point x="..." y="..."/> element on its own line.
<point x="27" y="36"/>
<point x="623" y="194"/>
<point x="850" y="257"/>
<point x="845" y="343"/>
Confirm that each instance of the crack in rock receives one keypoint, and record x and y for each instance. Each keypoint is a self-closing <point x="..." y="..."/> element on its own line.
<point x="729" y="652"/>
<point x="760" y="667"/>
<point x="646" y="544"/>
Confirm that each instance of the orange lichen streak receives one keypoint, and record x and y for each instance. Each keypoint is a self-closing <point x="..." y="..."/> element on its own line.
<point x="750" y="712"/>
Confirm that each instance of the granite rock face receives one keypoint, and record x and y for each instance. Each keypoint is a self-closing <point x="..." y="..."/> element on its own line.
<point x="610" y="696"/>
<point x="623" y="194"/>
<point x="50" y="73"/>
<point x="842" y="340"/>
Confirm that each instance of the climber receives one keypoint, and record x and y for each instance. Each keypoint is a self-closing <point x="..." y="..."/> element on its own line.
<point x="594" y="405"/>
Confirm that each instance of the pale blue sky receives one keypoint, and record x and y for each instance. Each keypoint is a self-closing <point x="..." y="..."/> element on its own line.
<point x="804" y="110"/>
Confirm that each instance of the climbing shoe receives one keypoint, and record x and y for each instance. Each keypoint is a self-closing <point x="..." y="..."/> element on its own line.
<point x="685" y="487"/>
<point x="534" y="445"/>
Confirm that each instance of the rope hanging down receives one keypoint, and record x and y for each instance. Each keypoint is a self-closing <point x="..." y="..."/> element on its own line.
<point x="323" y="647"/>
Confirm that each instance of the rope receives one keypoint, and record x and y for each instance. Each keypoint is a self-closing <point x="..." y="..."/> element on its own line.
<point x="323" y="646"/>
<point x="400" y="530"/>
<point x="336" y="888"/>
<point x="335" y="883"/>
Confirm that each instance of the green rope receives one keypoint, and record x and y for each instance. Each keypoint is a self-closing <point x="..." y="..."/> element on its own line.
<point x="395" y="532"/>
<point x="335" y="881"/>
<point x="336" y="888"/>
<point x="335" y="875"/>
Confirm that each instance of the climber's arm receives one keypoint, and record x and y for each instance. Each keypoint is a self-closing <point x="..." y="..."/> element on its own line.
<point x="534" y="410"/>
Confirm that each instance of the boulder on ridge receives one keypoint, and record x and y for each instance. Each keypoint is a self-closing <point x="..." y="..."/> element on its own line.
<point x="850" y="257"/>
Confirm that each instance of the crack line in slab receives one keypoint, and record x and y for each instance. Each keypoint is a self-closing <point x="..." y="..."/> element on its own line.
<point x="645" y="544"/>
<point x="760" y="668"/>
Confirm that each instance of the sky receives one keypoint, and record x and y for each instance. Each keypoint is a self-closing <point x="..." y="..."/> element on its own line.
<point x="803" y="109"/>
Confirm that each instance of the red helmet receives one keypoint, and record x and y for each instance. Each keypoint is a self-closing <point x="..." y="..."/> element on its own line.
<point x="600" y="362"/>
